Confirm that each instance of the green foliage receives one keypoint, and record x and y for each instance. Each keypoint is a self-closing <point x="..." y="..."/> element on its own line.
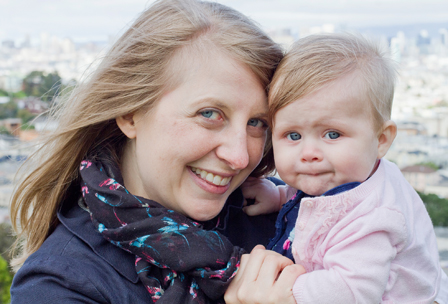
<point x="437" y="208"/>
<point x="27" y="127"/>
<point x="4" y="131"/>
<point x="11" y="110"/>
<point x="43" y="85"/>
<point x="5" y="281"/>
<point x="8" y="110"/>
<point x="25" y="115"/>
<point x="6" y="240"/>
<point x="19" y="95"/>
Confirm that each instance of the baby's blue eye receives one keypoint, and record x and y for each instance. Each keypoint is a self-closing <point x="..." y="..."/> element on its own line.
<point x="332" y="135"/>
<point x="294" y="136"/>
<point x="258" y="123"/>
<point x="210" y="114"/>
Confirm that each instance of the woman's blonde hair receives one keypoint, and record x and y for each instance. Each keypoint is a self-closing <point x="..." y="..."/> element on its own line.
<point x="131" y="77"/>
<point x="316" y="60"/>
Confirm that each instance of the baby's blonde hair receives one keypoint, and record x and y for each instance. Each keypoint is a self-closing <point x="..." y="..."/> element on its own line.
<point x="132" y="77"/>
<point x="317" y="60"/>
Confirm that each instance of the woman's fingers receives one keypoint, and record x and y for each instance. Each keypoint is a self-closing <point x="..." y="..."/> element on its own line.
<point x="285" y="283"/>
<point x="260" y="278"/>
<point x="251" y="266"/>
<point x="271" y="268"/>
<point x="241" y="275"/>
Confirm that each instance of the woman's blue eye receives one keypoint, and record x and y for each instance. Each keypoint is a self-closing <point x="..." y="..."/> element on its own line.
<point x="332" y="135"/>
<point x="210" y="114"/>
<point x="258" y="123"/>
<point x="294" y="136"/>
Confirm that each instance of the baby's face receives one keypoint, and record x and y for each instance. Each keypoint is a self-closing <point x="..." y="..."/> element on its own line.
<point x="326" y="138"/>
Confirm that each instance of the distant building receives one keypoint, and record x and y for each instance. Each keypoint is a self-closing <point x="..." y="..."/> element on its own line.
<point x="11" y="82"/>
<point x="440" y="189"/>
<point x="13" y="125"/>
<point x="420" y="176"/>
<point x="7" y="142"/>
<point x="28" y="135"/>
<point x="443" y="36"/>
<point x="44" y="124"/>
<point x="411" y="128"/>
<point x="9" y="44"/>
<point x="33" y="104"/>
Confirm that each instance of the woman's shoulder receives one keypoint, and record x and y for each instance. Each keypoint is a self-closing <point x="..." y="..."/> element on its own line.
<point x="83" y="268"/>
<point x="54" y="272"/>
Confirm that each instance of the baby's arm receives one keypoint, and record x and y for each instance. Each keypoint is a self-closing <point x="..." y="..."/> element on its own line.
<point x="268" y="197"/>
<point x="350" y="274"/>
<point x="357" y="264"/>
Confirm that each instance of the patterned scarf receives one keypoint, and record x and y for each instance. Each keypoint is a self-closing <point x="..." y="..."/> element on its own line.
<point x="177" y="260"/>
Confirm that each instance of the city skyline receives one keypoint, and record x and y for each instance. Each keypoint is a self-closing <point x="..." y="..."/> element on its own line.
<point x="97" y="20"/>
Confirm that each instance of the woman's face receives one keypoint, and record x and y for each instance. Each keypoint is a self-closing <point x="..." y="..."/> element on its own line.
<point x="201" y="139"/>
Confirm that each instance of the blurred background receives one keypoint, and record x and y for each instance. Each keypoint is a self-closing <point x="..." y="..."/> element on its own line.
<point x="47" y="46"/>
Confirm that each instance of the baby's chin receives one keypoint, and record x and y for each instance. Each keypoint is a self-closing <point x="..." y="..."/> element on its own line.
<point x="314" y="192"/>
<point x="314" y="189"/>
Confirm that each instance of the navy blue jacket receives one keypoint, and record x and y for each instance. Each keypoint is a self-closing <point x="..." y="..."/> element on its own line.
<point x="76" y="264"/>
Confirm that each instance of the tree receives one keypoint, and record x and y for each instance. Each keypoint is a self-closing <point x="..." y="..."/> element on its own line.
<point x="6" y="240"/>
<point x="8" y="110"/>
<point x="437" y="208"/>
<point x="5" y="281"/>
<point x="25" y="115"/>
<point x="43" y="85"/>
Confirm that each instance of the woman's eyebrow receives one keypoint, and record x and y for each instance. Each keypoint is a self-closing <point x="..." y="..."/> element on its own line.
<point x="226" y="107"/>
<point x="216" y="102"/>
<point x="263" y="115"/>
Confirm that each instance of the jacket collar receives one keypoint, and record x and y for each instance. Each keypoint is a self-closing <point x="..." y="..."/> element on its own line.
<point x="77" y="221"/>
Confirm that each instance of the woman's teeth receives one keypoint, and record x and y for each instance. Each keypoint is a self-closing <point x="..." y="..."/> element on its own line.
<point x="210" y="177"/>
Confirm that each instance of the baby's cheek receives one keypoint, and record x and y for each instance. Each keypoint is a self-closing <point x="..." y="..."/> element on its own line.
<point x="282" y="165"/>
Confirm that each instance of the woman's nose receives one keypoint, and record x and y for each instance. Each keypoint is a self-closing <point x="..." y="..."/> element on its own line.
<point x="233" y="150"/>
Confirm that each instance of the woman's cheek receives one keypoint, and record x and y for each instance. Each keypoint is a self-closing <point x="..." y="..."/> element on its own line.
<point x="255" y="150"/>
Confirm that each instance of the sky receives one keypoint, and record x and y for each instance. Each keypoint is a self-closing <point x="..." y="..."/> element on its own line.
<point x="96" y="20"/>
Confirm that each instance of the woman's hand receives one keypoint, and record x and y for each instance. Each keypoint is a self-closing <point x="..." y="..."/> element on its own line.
<point x="264" y="276"/>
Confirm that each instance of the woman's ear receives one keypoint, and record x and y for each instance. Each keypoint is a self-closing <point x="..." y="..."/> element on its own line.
<point x="127" y="125"/>
<point x="386" y="137"/>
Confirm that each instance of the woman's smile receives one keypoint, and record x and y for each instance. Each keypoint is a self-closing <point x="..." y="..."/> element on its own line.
<point x="215" y="179"/>
<point x="210" y="183"/>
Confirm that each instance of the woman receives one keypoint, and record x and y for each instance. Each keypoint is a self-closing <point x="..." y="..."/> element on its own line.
<point x="168" y="126"/>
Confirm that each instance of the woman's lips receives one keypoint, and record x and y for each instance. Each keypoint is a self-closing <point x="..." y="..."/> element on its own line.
<point x="212" y="178"/>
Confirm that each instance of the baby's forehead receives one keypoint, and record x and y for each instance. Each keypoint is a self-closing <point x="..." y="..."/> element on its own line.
<point x="321" y="110"/>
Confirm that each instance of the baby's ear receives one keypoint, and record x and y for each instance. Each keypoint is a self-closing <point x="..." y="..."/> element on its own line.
<point x="127" y="125"/>
<point x="386" y="137"/>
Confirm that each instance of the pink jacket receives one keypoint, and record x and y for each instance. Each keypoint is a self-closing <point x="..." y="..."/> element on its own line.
<point x="372" y="244"/>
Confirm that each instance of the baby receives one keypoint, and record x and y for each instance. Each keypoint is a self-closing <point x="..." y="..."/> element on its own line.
<point x="362" y="233"/>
